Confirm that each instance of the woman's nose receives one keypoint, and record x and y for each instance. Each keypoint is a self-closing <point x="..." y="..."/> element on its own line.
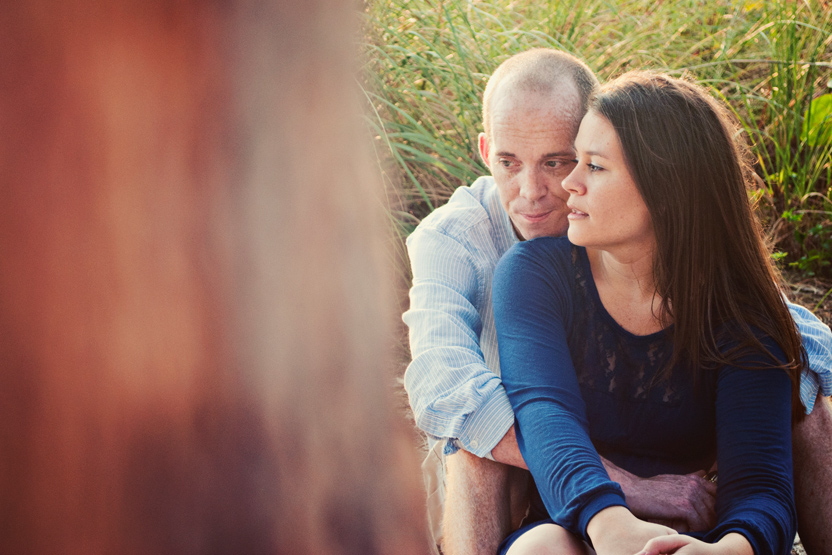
<point x="572" y="183"/>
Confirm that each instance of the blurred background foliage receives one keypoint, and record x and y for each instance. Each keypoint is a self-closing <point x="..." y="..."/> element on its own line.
<point x="427" y="63"/>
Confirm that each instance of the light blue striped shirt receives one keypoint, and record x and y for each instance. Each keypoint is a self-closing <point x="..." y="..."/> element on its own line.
<point x="453" y="381"/>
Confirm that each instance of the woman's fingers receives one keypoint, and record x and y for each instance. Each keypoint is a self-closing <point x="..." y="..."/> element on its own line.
<point x="671" y="544"/>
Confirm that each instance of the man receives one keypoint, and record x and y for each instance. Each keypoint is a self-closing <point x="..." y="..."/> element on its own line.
<point x="532" y="107"/>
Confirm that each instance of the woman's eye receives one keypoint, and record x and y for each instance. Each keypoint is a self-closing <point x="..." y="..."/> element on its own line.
<point x="594" y="168"/>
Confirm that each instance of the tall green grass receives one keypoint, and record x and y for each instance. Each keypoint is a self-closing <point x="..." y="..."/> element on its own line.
<point x="427" y="63"/>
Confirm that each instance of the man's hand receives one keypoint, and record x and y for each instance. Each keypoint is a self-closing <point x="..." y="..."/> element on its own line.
<point x="686" y="502"/>
<point x="508" y="452"/>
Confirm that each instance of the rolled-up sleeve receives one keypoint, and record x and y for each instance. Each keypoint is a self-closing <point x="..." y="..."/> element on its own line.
<point x="817" y="340"/>
<point x="453" y="394"/>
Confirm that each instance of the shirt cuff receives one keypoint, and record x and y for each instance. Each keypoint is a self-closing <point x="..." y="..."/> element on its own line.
<point x="817" y="379"/>
<point x="484" y="428"/>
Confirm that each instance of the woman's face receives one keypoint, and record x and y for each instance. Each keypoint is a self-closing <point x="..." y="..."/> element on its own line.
<point x="607" y="211"/>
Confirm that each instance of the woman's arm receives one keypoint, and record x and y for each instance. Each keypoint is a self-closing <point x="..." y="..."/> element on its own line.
<point x="615" y="531"/>
<point x="532" y="303"/>
<point x="753" y="418"/>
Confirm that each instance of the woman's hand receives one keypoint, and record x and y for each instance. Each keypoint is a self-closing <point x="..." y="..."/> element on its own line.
<point x="730" y="544"/>
<point x="615" y="531"/>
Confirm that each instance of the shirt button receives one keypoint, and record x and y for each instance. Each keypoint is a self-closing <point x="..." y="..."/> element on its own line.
<point x="475" y="444"/>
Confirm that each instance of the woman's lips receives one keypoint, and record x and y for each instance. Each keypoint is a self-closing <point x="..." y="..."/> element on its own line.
<point x="576" y="214"/>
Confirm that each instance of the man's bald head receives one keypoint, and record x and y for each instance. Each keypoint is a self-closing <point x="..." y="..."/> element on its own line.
<point x="544" y="71"/>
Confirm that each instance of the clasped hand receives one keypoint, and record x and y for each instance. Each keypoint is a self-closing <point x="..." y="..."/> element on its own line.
<point x="678" y="544"/>
<point x="616" y="531"/>
<point x="686" y="503"/>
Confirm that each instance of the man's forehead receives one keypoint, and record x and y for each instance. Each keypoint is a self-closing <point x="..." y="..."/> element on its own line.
<point x="558" y="107"/>
<point x="517" y="90"/>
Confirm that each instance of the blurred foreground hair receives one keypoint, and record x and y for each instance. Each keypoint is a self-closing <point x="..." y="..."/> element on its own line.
<point x="194" y="300"/>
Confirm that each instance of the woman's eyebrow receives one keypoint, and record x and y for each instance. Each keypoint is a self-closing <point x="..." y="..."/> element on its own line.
<point x="594" y="153"/>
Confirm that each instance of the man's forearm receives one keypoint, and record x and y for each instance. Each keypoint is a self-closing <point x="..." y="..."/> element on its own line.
<point x="508" y="452"/>
<point x="619" y="475"/>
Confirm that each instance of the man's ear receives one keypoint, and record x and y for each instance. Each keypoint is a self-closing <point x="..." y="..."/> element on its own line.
<point x="483" y="144"/>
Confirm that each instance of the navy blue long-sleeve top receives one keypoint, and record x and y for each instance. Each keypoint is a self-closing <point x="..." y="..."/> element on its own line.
<point x="581" y="385"/>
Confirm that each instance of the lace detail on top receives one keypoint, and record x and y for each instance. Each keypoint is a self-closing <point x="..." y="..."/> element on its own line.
<point x="615" y="361"/>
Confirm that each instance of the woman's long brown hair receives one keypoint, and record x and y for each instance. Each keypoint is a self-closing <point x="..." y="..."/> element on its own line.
<point x="193" y="291"/>
<point x="712" y="268"/>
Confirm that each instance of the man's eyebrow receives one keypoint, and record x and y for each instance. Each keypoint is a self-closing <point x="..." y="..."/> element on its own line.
<point x="563" y="154"/>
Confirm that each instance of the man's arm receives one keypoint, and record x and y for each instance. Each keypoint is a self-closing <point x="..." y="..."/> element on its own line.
<point x="452" y="392"/>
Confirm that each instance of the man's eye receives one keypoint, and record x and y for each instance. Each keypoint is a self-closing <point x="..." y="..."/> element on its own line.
<point x="506" y="163"/>
<point x="558" y="164"/>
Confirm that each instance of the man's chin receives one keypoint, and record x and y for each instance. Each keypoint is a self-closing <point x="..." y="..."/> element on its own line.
<point x="548" y="227"/>
<point x="533" y="232"/>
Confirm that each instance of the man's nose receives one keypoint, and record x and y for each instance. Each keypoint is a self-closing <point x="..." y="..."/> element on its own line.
<point x="533" y="185"/>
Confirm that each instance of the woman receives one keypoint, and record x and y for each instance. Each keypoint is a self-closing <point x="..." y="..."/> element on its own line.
<point x="656" y="336"/>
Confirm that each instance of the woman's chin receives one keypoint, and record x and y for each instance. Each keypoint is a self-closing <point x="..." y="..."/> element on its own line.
<point x="576" y="237"/>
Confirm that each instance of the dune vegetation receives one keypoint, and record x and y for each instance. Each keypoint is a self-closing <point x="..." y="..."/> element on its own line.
<point x="427" y="62"/>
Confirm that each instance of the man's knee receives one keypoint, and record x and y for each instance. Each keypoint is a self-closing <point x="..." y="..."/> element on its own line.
<point x="821" y="417"/>
<point x="814" y="433"/>
<point x="813" y="477"/>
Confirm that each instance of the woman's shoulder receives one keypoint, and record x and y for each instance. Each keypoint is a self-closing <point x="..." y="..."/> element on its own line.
<point x="545" y="261"/>
<point x="535" y="282"/>
<point x="555" y="252"/>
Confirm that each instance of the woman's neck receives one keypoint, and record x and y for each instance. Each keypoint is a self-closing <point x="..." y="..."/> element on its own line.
<point x="626" y="285"/>
<point x="631" y="271"/>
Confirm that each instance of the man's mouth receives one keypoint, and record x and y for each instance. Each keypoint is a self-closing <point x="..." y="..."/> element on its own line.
<point x="536" y="216"/>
